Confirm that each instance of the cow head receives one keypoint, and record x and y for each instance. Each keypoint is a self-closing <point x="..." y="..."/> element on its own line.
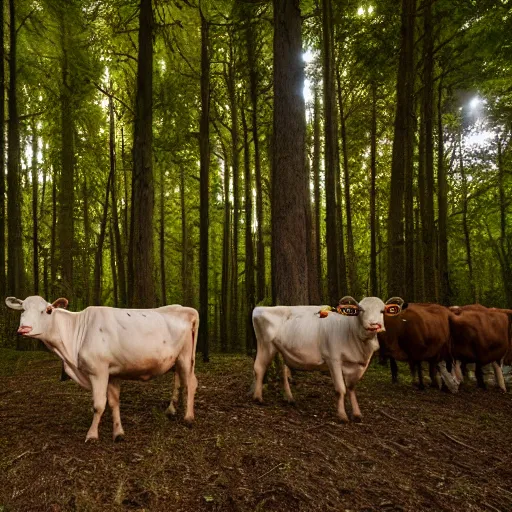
<point x="370" y="311"/>
<point x="35" y="310"/>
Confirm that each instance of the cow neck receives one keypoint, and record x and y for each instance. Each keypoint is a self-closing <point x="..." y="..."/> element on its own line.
<point x="61" y="336"/>
<point x="362" y="335"/>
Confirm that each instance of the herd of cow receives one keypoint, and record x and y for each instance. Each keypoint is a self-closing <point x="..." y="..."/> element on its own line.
<point x="100" y="346"/>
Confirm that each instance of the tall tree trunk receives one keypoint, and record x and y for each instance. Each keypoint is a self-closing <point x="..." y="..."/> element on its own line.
<point x="42" y="213"/>
<point x="250" y="341"/>
<point x="163" y="289"/>
<point x="98" y="260"/>
<point x="253" y="91"/>
<point x="402" y="158"/>
<point x="427" y="119"/>
<point x="331" y="168"/>
<point x="204" y="149"/>
<point x="317" y="193"/>
<point x="374" y="285"/>
<point x="35" y="213"/>
<point x="87" y="237"/>
<point x="3" y="277"/>
<point x="119" y="254"/>
<point x="185" y="280"/>
<point x="53" y="243"/>
<point x="231" y="85"/>
<point x="354" y="285"/>
<point x="142" y="181"/>
<point x="113" y="268"/>
<point x="444" y="292"/>
<point x="289" y="273"/>
<point x="465" y="224"/>
<point x="15" y="265"/>
<point x="225" y="310"/>
<point x="65" y="222"/>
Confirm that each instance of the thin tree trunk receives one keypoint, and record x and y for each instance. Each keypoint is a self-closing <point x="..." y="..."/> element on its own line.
<point x="87" y="236"/>
<point x="317" y="193"/>
<point x="53" y="244"/>
<point x="15" y="265"/>
<point x="225" y="310"/>
<point x="142" y="180"/>
<point x="465" y="225"/>
<point x="402" y="151"/>
<point x="289" y="177"/>
<point x="119" y="254"/>
<point x="444" y="281"/>
<point x="427" y="118"/>
<point x="42" y="213"/>
<point x="162" y="240"/>
<point x="113" y="268"/>
<point x="250" y="343"/>
<point x="35" y="213"/>
<point x="204" y="148"/>
<point x="351" y="254"/>
<point x="185" y="282"/>
<point x="374" y="286"/>
<point x="3" y="277"/>
<point x="65" y="223"/>
<point x="253" y="88"/>
<point x="331" y="169"/>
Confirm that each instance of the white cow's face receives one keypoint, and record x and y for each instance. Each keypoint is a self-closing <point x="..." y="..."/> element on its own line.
<point x="35" y="316"/>
<point x="371" y="314"/>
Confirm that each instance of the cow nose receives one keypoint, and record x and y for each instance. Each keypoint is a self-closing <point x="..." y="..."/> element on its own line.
<point x="24" y="329"/>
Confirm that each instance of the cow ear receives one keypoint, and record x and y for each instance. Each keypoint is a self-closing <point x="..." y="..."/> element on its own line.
<point x="61" y="303"/>
<point x="49" y="309"/>
<point x="348" y="310"/>
<point x="394" y="306"/>
<point x="14" y="303"/>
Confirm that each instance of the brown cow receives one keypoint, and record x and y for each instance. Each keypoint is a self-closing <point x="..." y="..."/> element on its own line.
<point x="481" y="335"/>
<point x="421" y="333"/>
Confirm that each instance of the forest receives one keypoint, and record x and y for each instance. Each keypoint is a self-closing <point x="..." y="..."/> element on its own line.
<point x="226" y="153"/>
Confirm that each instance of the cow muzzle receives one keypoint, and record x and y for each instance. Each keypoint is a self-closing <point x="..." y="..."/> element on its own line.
<point x="376" y="328"/>
<point x="24" y="329"/>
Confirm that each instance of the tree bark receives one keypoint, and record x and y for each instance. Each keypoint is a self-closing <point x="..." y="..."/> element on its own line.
<point x="35" y="213"/>
<point x="444" y="281"/>
<point x="331" y="168"/>
<point x="163" y="284"/>
<point x="317" y="192"/>
<point x="402" y="151"/>
<point x="87" y="236"/>
<point x="250" y="340"/>
<point x="3" y="277"/>
<point x="142" y="180"/>
<point x="289" y="274"/>
<point x="374" y="285"/>
<point x="113" y="268"/>
<point x="204" y="148"/>
<point x="15" y="265"/>
<point x="225" y="310"/>
<point x="354" y="285"/>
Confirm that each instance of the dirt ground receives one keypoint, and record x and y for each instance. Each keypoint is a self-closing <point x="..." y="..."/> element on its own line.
<point x="415" y="450"/>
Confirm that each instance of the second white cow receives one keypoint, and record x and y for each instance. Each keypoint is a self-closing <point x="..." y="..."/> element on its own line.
<point x="342" y="343"/>
<point x="101" y="345"/>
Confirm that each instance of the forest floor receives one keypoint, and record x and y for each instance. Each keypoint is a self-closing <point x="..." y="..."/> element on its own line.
<point x="415" y="450"/>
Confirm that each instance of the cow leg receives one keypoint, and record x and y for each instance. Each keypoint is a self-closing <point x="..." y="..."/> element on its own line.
<point x="419" y="369"/>
<point x="264" y="356"/>
<point x="447" y="377"/>
<point x="188" y="378"/>
<point x="286" y="384"/>
<point x="339" y="386"/>
<point x="356" y="412"/>
<point x="394" y="370"/>
<point x="171" y="410"/>
<point x="458" y="371"/>
<point x="113" y="392"/>
<point x="498" y="373"/>
<point x="435" y="379"/>
<point x="99" y="384"/>
<point x="479" y="374"/>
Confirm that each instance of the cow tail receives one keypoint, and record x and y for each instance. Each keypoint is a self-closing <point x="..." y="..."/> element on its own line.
<point x="195" y="334"/>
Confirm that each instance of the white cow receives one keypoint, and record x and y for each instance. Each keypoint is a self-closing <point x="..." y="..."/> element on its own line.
<point x="99" y="346"/>
<point x="341" y="344"/>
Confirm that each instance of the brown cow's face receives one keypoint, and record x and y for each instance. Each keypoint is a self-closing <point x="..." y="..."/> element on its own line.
<point x="35" y="317"/>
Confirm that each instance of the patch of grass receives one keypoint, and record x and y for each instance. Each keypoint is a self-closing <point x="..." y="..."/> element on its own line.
<point x="14" y="361"/>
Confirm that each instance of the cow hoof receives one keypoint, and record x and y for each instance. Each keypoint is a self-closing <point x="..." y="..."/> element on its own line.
<point x="119" y="438"/>
<point x="188" y="422"/>
<point x="357" y="419"/>
<point x="171" y="414"/>
<point x="259" y="401"/>
<point x="343" y="420"/>
<point x="291" y="403"/>
<point x="91" y="440"/>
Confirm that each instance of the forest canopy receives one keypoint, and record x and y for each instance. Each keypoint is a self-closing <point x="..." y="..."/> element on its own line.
<point x="227" y="153"/>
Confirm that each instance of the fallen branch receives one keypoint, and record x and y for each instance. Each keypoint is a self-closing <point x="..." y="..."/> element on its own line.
<point x="451" y="438"/>
<point x="21" y="455"/>
<point x="270" y="470"/>
<point x="384" y="413"/>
